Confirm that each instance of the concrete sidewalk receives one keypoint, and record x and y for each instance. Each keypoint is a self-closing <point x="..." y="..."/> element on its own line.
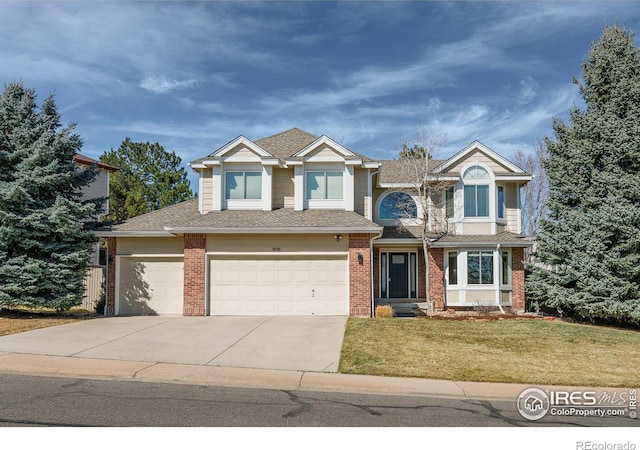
<point x="144" y="371"/>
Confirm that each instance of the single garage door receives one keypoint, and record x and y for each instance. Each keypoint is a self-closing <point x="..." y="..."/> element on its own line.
<point x="279" y="285"/>
<point x="150" y="285"/>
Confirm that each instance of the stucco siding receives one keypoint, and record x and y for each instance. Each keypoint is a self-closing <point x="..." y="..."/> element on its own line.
<point x="283" y="243"/>
<point x="151" y="246"/>
<point x="476" y="228"/>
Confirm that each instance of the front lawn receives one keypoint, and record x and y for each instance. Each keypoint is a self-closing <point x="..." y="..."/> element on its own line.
<point x="19" y="320"/>
<point x="523" y="351"/>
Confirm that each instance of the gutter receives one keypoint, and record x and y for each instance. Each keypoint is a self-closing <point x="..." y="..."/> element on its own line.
<point x="266" y="230"/>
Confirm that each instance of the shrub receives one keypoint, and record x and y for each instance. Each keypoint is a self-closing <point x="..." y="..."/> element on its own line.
<point x="384" y="311"/>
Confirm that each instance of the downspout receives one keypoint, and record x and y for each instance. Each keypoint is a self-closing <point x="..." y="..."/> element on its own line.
<point x="371" y="259"/>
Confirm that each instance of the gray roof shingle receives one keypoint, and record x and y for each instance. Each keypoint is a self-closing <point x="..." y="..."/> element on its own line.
<point x="185" y="215"/>
<point x="397" y="171"/>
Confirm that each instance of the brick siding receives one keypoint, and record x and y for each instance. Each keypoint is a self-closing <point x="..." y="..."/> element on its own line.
<point x="436" y="273"/>
<point x="194" y="274"/>
<point x="112" y="250"/>
<point x="359" y="275"/>
<point x="517" y="279"/>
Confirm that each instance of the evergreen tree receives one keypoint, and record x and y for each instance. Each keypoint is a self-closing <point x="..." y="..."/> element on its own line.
<point x="149" y="178"/>
<point x="45" y="229"/>
<point x="590" y="245"/>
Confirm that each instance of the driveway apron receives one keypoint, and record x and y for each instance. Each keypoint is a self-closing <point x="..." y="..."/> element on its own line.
<point x="303" y="343"/>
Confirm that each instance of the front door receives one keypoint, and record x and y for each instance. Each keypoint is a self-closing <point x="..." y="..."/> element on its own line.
<point x="398" y="275"/>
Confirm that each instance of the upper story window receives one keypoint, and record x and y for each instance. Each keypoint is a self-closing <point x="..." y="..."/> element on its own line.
<point x="476" y="193"/>
<point x="325" y="185"/>
<point x="243" y="186"/>
<point x="448" y="200"/>
<point x="500" y="202"/>
<point x="398" y="205"/>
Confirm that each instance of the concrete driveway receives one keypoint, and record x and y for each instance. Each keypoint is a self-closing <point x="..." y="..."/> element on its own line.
<point x="282" y="343"/>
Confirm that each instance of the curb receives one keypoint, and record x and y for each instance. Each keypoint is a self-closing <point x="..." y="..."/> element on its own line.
<point x="144" y="371"/>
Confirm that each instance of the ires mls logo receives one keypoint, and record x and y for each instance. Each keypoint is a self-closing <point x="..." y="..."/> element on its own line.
<point x="534" y="403"/>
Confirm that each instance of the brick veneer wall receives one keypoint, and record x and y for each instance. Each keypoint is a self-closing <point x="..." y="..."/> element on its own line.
<point x="194" y="274"/>
<point x="359" y="275"/>
<point x="517" y="278"/>
<point x="436" y="273"/>
<point x="376" y="273"/>
<point x="112" y="250"/>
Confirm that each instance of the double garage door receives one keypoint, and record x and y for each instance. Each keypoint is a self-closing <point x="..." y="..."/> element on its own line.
<point x="278" y="285"/>
<point x="239" y="285"/>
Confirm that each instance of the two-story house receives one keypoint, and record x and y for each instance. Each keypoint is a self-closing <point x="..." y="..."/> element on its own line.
<point x="296" y="224"/>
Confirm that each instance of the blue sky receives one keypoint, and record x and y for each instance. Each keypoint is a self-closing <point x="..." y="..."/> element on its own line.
<point x="194" y="75"/>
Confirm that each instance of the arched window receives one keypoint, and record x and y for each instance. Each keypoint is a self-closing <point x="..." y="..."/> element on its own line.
<point x="476" y="191"/>
<point x="476" y="173"/>
<point x="398" y="205"/>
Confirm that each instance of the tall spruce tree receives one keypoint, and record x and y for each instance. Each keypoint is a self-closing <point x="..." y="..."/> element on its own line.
<point x="149" y="178"/>
<point x="45" y="229"/>
<point x="590" y="245"/>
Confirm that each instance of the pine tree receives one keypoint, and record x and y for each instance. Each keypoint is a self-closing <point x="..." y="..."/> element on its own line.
<point x="149" y="178"/>
<point x="590" y="245"/>
<point x="45" y="229"/>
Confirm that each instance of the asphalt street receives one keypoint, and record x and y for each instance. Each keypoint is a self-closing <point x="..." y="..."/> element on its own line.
<point x="71" y="402"/>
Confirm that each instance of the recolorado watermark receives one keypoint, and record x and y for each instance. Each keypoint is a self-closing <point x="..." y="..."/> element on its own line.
<point x="588" y="445"/>
<point x="535" y="403"/>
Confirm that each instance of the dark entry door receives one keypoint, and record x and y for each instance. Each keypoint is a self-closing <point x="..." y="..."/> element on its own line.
<point x="398" y="275"/>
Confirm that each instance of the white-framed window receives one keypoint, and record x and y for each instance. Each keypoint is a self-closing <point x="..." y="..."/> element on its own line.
<point x="449" y="202"/>
<point x="501" y="202"/>
<point x="480" y="267"/>
<point x="452" y="268"/>
<point x="476" y="191"/>
<point x="324" y="185"/>
<point x="243" y="185"/>
<point x="505" y="260"/>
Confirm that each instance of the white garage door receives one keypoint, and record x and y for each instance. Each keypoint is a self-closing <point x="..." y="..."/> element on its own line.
<point x="150" y="286"/>
<point x="278" y="285"/>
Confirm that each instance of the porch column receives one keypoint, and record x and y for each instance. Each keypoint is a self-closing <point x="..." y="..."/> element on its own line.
<point x="359" y="275"/>
<point x="110" y="301"/>
<point x="194" y="274"/>
<point x="436" y="274"/>
<point x="517" y="279"/>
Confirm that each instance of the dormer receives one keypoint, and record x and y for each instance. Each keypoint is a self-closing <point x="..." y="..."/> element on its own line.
<point x="236" y="176"/>
<point x="324" y="175"/>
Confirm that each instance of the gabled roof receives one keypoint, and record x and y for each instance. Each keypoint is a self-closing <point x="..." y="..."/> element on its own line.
<point x="477" y="145"/>
<point x="286" y="144"/>
<point x="290" y="144"/>
<point x="86" y="161"/>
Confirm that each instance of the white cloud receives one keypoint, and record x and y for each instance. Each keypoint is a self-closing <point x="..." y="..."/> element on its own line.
<point x="160" y="84"/>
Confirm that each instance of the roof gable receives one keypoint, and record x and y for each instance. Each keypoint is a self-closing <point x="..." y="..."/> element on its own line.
<point x="324" y="145"/>
<point x="238" y="144"/>
<point x="476" y="151"/>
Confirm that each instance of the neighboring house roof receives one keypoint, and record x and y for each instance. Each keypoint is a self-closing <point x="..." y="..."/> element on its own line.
<point x="184" y="217"/>
<point x="85" y="160"/>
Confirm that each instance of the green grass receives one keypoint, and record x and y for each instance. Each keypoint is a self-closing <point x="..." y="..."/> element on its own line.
<point x="507" y="351"/>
